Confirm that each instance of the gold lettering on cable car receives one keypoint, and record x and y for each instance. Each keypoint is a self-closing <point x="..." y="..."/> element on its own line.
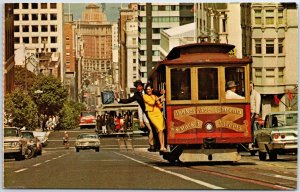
<point x="232" y="114"/>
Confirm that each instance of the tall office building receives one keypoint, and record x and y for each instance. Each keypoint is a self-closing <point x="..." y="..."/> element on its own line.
<point x="271" y="33"/>
<point x="97" y="67"/>
<point x="39" y="26"/>
<point x="152" y="19"/>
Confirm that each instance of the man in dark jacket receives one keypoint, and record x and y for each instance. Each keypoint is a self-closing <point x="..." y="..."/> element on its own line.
<point x="138" y="97"/>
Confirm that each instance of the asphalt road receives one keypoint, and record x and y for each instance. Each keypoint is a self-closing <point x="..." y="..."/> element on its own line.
<point x="119" y="166"/>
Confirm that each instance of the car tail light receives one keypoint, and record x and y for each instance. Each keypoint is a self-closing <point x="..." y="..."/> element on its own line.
<point x="276" y="136"/>
<point x="282" y="136"/>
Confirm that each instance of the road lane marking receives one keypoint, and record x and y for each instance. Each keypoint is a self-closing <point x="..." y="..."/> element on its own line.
<point x="279" y="176"/>
<point x="202" y="183"/>
<point x="54" y="158"/>
<point x="47" y="161"/>
<point x="18" y="171"/>
<point x="36" y="164"/>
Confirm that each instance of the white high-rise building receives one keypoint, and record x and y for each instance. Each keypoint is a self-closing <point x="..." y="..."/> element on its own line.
<point x="133" y="67"/>
<point x="39" y="27"/>
<point x="152" y="19"/>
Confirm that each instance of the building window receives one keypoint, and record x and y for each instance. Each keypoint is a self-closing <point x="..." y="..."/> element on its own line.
<point x="52" y="5"/>
<point x="224" y="25"/>
<point x="269" y="46"/>
<point x="53" y="50"/>
<point x="17" y="40"/>
<point x="16" y="28"/>
<point x="156" y="30"/>
<point x="16" y="5"/>
<point x="156" y="42"/>
<point x="35" y="40"/>
<point x="25" y="39"/>
<point x="280" y="17"/>
<point x="16" y="17"/>
<point x="257" y="46"/>
<point x="34" y="17"/>
<point x="53" y="28"/>
<point x="257" y="16"/>
<point x="67" y="46"/>
<point x="67" y="38"/>
<point x="270" y="72"/>
<point x="134" y="60"/>
<point x="53" y="16"/>
<point x="134" y="53"/>
<point x="53" y="39"/>
<point x="34" y="28"/>
<point x="34" y="6"/>
<point x="142" y="7"/>
<point x="280" y="45"/>
<point x="174" y="8"/>
<point x="44" y="28"/>
<point x="258" y="75"/>
<point x="280" y="74"/>
<point x="25" y="6"/>
<point x="161" y="7"/>
<point x="25" y="28"/>
<point x="269" y="17"/>
<point x="44" y="17"/>
<point x="134" y="68"/>
<point x="44" y="5"/>
<point x="154" y="8"/>
<point x="25" y="17"/>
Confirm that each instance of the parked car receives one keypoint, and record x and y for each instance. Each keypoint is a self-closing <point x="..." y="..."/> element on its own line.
<point x="279" y="135"/>
<point x="33" y="143"/>
<point x="87" y="141"/>
<point x="14" y="145"/>
<point x="42" y="137"/>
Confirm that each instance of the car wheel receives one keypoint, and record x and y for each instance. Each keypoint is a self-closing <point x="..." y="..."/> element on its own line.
<point x="77" y="150"/>
<point x="262" y="156"/>
<point x="30" y="152"/>
<point x="273" y="155"/>
<point x="97" y="149"/>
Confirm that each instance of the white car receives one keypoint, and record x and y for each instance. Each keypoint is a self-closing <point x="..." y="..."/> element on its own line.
<point x="87" y="141"/>
<point x="42" y="137"/>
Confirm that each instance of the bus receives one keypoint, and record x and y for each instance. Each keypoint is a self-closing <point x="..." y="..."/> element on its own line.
<point x="201" y="124"/>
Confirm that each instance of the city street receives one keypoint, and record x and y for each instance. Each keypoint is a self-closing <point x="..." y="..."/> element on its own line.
<point x="130" y="166"/>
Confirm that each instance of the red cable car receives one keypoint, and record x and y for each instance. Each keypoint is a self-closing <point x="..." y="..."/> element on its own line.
<point x="202" y="122"/>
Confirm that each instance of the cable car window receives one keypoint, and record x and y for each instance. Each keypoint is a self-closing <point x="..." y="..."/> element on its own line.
<point x="181" y="84"/>
<point x="235" y="77"/>
<point x="208" y="84"/>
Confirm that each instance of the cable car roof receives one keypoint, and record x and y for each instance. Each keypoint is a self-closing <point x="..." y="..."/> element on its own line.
<point x="203" y="53"/>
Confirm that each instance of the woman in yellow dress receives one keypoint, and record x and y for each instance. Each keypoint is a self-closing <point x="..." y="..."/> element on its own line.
<point x="153" y="108"/>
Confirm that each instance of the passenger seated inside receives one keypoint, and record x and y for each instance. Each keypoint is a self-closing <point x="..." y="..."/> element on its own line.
<point x="231" y="89"/>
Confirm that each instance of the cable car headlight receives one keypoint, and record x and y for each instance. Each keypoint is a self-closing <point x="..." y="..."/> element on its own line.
<point x="209" y="127"/>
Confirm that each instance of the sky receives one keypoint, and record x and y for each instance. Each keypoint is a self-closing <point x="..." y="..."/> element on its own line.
<point x="110" y="9"/>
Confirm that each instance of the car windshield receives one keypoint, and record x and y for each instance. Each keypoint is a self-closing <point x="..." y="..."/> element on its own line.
<point x="280" y="120"/>
<point x="27" y="135"/>
<point x="39" y="134"/>
<point x="85" y="136"/>
<point x="88" y="113"/>
<point x="10" y="132"/>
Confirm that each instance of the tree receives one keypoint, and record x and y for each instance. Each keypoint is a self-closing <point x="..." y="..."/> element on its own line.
<point x="20" y="78"/>
<point x="20" y="110"/>
<point x="52" y="94"/>
<point x="69" y="115"/>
